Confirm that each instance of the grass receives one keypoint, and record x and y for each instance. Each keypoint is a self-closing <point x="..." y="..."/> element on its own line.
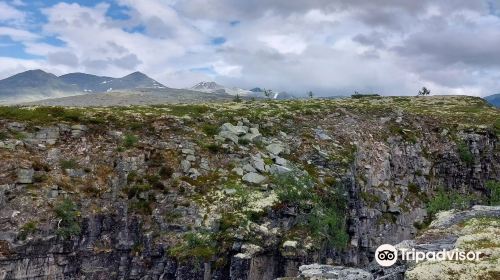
<point x="41" y="114"/>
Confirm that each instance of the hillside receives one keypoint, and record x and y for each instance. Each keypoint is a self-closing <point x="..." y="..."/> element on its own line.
<point x="141" y="96"/>
<point x="249" y="190"/>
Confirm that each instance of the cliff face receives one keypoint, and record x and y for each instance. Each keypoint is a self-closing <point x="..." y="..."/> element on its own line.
<point x="232" y="191"/>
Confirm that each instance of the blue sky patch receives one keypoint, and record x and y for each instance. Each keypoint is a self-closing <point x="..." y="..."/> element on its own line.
<point x="218" y="41"/>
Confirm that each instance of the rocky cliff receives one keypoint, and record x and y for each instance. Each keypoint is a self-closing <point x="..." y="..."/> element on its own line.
<point x="248" y="190"/>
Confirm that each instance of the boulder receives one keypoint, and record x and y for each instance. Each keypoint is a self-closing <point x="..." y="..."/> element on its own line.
<point x="254" y="178"/>
<point x="186" y="165"/>
<point x="229" y="136"/>
<point x="239" y="130"/>
<point x="16" y="126"/>
<point x="25" y="176"/>
<point x="278" y="169"/>
<point x="319" y="272"/>
<point x="275" y="148"/>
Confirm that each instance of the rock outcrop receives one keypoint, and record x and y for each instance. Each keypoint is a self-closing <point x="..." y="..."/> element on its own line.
<point x="252" y="190"/>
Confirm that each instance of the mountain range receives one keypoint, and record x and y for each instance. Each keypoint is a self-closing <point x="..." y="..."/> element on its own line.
<point x="37" y="84"/>
<point x="494" y="99"/>
<point x="213" y="87"/>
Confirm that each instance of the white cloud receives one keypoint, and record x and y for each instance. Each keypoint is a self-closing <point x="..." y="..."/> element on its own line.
<point x="9" y="13"/>
<point x="224" y="69"/>
<point x="285" y="44"/>
<point x="328" y="46"/>
<point x="17" y="34"/>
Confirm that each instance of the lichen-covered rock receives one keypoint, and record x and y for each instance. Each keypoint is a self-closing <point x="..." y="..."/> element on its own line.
<point x="253" y="178"/>
<point x="476" y="230"/>
<point x="323" y="272"/>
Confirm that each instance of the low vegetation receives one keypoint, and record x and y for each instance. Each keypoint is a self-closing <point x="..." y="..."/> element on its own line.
<point x="447" y="200"/>
<point x="494" y="192"/>
<point x="323" y="207"/>
<point x="67" y="214"/>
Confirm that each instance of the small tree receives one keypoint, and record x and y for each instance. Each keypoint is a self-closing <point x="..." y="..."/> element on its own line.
<point x="310" y="94"/>
<point x="237" y="98"/>
<point x="424" y="91"/>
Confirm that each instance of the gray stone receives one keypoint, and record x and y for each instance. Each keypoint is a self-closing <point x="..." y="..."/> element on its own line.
<point x="16" y="126"/>
<point x="254" y="178"/>
<point x="25" y="176"/>
<point x="249" y="168"/>
<point x="188" y="151"/>
<point x="275" y="148"/>
<point x="193" y="173"/>
<point x="258" y="163"/>
<point x="317" y="272"/>
<point x="280" y="161"/>
<point x="238" y="171"/>
<point x="79" y="127"/>
<point x="237" y="130"/>
<point x="278" y="169"/>
<point x="321" y="134"/>
<point x="185" y="164"/>
<point x="191" y="158"/>
<point x="75" y="173"/>
<point x="229" y="136"/>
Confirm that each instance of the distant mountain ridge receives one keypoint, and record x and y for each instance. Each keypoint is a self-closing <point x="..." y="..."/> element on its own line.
<point x="494" y="99"/>
<point x="93" y="83"/>
<point x="214" y="87"/>
<point x="38" y="84"/>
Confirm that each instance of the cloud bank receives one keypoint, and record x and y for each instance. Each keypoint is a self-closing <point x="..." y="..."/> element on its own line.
<point x="331" y="47"/>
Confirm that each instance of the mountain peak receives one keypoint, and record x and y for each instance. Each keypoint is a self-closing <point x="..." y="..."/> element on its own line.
<point x="137" y="74"/>
<point x="207" y="86"/>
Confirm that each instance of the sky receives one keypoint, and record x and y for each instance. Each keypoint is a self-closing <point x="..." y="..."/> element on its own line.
<point x="332" y="47"/>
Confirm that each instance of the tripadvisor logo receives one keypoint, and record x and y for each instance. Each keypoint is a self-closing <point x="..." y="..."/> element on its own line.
<point x="387" y="255"/>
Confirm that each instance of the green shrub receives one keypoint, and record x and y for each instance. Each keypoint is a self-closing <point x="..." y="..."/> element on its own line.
<point x="199" y="245"/>
<point x="210" y="129"/>
<point x="294" y="189"/>
<point x="243" y="141"/>
<point x="214" y="148"/>
<point x="166" y="172"/>
<point x="141" y="206"/>
<point x="443" y="201"/>
<point x="69" y="164"/>
<point x="27" y="229"/>
<point x="3" y="136"/>
<point x="322" y="207"/>
<point x="129" y="141"/>
<point x="67" y="214"/>
<point x="494" y="188"/>
<point x="329" y="223"/>
<point x="496" y="127"/>
<point x="464" y="153"/>
<point x="135" y="190"/>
